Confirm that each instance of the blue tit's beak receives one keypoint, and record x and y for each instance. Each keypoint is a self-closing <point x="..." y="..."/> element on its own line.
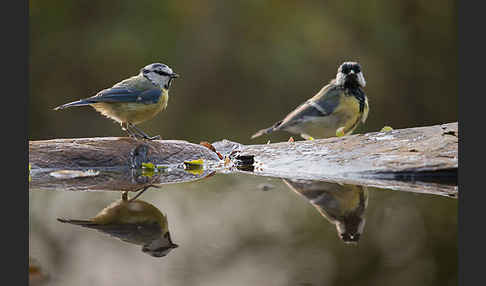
<point x="174" y="75"/>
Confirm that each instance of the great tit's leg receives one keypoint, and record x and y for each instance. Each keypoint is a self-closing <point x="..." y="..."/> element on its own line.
<point x="143" y="134"/>
<point x="139" y="193"/>
<point x="306" y="136"/>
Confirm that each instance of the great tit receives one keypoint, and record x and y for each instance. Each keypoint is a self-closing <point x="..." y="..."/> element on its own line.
<point x="342" y="205"/>
<point x="336" y="110"/>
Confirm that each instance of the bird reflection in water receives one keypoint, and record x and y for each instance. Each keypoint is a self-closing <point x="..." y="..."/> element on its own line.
<point x="133" y="221"/>
<point x="343" y="205"/>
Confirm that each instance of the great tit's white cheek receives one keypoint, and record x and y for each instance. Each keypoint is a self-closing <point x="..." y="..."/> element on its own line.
<point x="340" y="78"/>
<point x="361" y="226"/>
<point x="361" y="79"/>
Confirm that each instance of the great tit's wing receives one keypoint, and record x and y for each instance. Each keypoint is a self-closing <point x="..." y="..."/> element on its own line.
<point x="322" y="104"/>
<point x="124" y="94"/>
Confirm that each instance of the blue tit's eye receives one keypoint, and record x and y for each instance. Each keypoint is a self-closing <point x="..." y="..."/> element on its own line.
<point x="161" y="72"/>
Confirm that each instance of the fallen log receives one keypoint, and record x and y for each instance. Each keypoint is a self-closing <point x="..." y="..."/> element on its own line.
<point x="420" y="159"/>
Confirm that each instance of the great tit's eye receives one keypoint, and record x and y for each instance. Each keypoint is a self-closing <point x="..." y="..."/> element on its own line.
<point x="356" y="69"/>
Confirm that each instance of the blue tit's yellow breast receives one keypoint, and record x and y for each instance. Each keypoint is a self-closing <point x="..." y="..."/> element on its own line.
<point x="164" y="99"/>
<point x="133" y="112"/>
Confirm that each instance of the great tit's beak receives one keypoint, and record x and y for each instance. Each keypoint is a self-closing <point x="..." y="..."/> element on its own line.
<point x="174" y="75"/>
<point x="351" y="72"/>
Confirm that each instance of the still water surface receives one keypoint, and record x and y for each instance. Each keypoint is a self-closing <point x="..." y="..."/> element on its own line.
<point x="239" y="229"/>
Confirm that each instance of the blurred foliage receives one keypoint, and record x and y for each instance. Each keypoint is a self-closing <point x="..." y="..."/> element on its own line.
<point x="243" y="64"/>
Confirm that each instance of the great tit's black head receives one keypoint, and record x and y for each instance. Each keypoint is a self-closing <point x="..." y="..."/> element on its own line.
<point x="350" y="74"/>
<point x="160" y="251"/>
<point x="350" y="228"/>
<point x="159" y="74"/>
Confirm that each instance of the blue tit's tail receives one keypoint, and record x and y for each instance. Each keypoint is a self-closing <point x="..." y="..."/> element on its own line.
<point x="266" y="130"/>
<point x="75" y="103"/>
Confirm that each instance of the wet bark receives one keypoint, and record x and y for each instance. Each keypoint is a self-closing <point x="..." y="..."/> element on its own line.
<point x="421" y="159"/>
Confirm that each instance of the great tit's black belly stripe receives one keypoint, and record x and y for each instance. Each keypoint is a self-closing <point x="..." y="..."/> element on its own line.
<point x="359" y="94"/>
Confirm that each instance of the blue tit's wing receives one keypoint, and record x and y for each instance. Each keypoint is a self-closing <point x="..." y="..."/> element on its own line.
<point x="124" y="94"/>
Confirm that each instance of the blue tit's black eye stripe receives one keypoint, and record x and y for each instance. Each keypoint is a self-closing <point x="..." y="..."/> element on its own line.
<point x="161" y="72"/>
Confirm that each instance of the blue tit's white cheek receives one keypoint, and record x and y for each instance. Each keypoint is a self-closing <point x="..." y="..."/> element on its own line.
<point x="168" y="70"/>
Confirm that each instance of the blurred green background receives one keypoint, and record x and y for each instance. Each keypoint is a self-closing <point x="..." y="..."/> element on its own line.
<point x="243" y="64"/>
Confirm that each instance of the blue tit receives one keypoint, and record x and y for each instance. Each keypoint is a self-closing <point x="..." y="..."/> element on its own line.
<point x="342" y="205"/>
<point x="337" y="108"/>
<point x="133" y="221"/>
<point x="133" y="100"/>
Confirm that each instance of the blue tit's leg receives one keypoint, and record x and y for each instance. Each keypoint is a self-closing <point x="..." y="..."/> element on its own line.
<point x="143" y="133"/>
<point x="306" y="136"/>
<point x="130" y="132"/>
<point x="139" y="193"/>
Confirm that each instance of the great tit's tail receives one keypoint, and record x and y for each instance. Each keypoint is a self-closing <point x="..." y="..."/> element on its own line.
<point x="77" y="222"/>
<point x="74" y="103"/>
<point x="266" y="130"/>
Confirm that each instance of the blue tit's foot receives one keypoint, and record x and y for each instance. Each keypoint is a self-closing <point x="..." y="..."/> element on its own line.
<point x="131" y="134"/>
<point x="142" y="134"/>
<point x="306" y="136"/>
<point x="157" y="137"/>
<point x="139" y="193"/>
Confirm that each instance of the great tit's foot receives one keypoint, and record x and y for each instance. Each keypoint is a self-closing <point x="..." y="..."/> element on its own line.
<point x="306" y="136"/>
<point x="125" y="196"/>
<point x="340" y="132"/>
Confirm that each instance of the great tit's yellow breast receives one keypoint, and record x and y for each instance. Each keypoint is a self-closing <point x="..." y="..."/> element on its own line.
<point x="347" y="110"/>
<point x="133" y="112"/>
<point x="349" y="198"/>
<point x="346" y="115"/>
